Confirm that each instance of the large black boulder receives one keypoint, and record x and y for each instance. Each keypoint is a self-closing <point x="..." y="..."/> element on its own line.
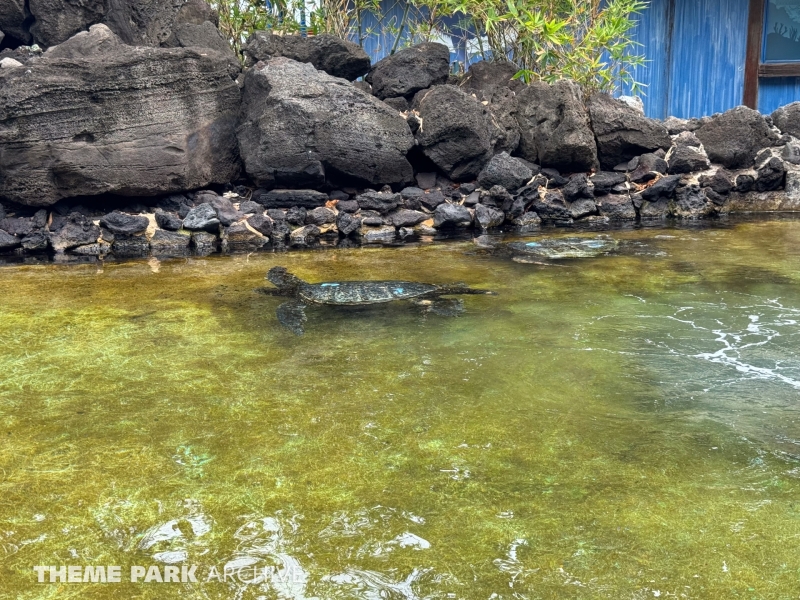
<point x="734" y="138"/>
<point x="299" y="126"/>
<point x="126" y="120"/>
<point x="623" y="132"/>
<point x="335" y="56"/>
<point x="554" y="127"/>
<point x="410" y="70"/>
<point x="455" y="135"/>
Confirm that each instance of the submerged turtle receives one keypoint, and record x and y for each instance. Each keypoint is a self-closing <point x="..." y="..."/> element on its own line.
<point x="292" y="314"/>
<point x="554" y="249"/>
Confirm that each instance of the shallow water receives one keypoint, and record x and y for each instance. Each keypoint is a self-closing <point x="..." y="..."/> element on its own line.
<point x="617" y="427"/>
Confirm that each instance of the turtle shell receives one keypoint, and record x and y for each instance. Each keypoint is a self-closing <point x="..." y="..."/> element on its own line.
<point x="561" y="248"/>
<point x="363" y="292"/>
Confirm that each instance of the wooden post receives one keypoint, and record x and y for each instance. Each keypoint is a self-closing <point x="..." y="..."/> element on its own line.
<point x="755" y="38"/>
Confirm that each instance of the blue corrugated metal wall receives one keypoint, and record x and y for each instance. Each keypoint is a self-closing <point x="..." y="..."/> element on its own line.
<point x="695" y="52"/>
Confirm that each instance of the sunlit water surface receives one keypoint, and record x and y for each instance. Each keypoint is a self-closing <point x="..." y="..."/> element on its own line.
<point x="617" y="427"/>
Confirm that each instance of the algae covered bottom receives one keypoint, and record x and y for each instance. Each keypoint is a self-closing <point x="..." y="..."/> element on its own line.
<point x="620" y="426"/>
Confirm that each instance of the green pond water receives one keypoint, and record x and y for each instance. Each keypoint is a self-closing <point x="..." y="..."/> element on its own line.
<point x="618" y="427"/>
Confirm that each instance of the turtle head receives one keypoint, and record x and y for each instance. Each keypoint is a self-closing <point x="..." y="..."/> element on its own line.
<point x="283" y="280"/>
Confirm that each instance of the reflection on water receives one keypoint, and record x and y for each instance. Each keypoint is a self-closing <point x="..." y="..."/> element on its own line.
<point x="622" y="426"/>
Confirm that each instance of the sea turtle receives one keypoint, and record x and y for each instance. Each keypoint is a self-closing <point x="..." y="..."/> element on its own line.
<point x="291" y="314"/>
<point x="553" y="249"/>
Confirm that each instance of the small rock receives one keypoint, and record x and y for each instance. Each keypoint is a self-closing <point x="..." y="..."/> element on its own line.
<point x="168" y="220"/>
<point x="384" y="233"/>
<point x="320" y="216"/>
<point x="488" y="217"/>
<point x="617" y="208"/>
<point x="169" y="241"/>
<point x="250" y="207"/>
<point x="8" y="241"/>
<point x="687" y="154"/>
<point x="125" y="225"/>
<point x="528" y="220"/>
<point x="10" y="63"/>
<point x="130" y="246"/>
<point x="204" y="242"/>
<point x="262" y="224"/>
<point x="37" y="240"/>
<point x="472" y="199"/>
<point x="432" y="199"/>
<point x="202" y="218"/>
<point x="426" y="180"/>
<point x="347" y="224"/>
<point x="578" y="186"/>
<point x="378" y="201"/>
<point x="650" y="166"/>
<point x="550" y="206"/>
<point x="296" y="215"/>
<point x="241" y="237"/>
<point x="406" y="218"/>
<point x="583" y="207"/>
<point x="744" y="183"/>
<point x="304" y="236"/>
<point x="771" y="175"/>
<point x="605" y="181"/>
<point x="451" y="215"/>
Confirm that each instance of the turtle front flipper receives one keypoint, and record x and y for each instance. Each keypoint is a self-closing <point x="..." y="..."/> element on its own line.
<point x="292" y="315"/>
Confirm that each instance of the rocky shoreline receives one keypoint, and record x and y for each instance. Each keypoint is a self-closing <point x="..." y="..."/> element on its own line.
<point x="114" y="146"/>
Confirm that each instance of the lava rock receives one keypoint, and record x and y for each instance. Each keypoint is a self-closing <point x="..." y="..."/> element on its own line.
<point x="35" y="241"/>
<point x="744" y="183"/>
<point x="605" y="181"/>
<point x="240" y="236"/>
<point x="350" y="206"/>
<point x="298" y="125"/>
<point x="449" y="215"/>
<point x="76" y="231"/>
<point x="734" y="138"/>
<point x="304" y="236"/>
<point x="554" y="127"/>
<point x="432" y="199"/>
<point x="616" y="207"/>
<point x="426" y="181"/>
<point x="167" y="220"/>
<point x="296" y="215"/>
<point x="250" y="207"/>
<point x="512" y="173"/>
<point x="399" y="104"/>
<point x="650" y="166"/>
<point x="226" y="211"/>
<point x="410" y="70"/>
<point x="128" y="120"/>
<point x="578" y="186"/>
<point x="204" y="242"/>
<point x="488" y="217"/>
<point x="455" y="136"/>
<point x="320" y="216"/>
<point x="550" y="206"/>
<point x="8" y="241"/>
<point x="583" y="207"/>
<point x="691" y="203"/>
<point x="169" y="241"/>
<point x="787" y="119"/>
<point x="289" y="198"/>
<point x="347" y="224"/>
<point x="202" y="218"/>
<point x="406" y="218"/>
<point x="720" y="182"/>
<point x="687" y="154"/>
<point x="623" y="132"/>
<point x="379" y="201"/>
<point x="663" y="188"/>
<point x="120" y="223"/>
<point x="130" y="246"/>
<point x="771" y="175"/>
<point x="383" y="233"/>
<point x="261" y="223"/>
<point x="528" y="220"/>
<point x="329" y="53"/>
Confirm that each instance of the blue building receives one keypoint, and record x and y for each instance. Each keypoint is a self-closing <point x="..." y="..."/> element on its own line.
<point x="703" y="56"/>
